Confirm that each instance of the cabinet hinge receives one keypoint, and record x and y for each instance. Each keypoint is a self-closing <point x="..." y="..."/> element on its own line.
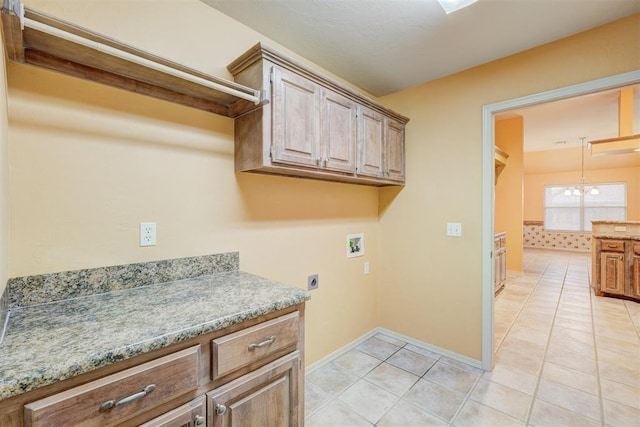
<point x="271" y="152"/>
<point x="273" y="70"/>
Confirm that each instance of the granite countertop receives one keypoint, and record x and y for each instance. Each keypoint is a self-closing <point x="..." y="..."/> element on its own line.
<point x="616" y="236"/>
<point x="604" y="221"/>
<point x="49" y="342"/>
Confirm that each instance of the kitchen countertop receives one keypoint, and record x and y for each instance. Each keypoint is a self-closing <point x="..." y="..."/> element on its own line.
<point x="49" y="342"/>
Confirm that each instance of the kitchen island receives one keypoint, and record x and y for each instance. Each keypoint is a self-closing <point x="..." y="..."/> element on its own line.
<point x="191" y="338"/>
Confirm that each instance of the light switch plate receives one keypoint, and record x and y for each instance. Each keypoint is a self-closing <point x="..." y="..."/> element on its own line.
<point x="454" y="229"/>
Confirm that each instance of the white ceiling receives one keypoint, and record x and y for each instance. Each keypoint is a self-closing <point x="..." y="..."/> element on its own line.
<point x="384" y="46"/>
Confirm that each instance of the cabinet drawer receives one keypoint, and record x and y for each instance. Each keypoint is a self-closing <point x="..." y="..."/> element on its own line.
<point x="192" y="414"/>
<point x="119" y="396"/>
<point x="242" y="348"/>
<point x="612" y="246"/>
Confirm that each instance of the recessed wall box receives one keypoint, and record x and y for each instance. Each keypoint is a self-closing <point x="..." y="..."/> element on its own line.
<point x="355" y="245"/>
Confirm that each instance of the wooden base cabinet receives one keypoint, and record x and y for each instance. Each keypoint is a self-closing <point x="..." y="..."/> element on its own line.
<point x="500" y="260"/>
<point x="249" y="374"/>
<point x="267" y="397"/>
<point x="616" y="267"/>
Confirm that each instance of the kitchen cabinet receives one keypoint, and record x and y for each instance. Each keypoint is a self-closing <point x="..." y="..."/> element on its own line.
<point x="500" y="261"/>
<point x="314" y="127"/>
<point x="253" y="369"/>
<point x="635" y="271"/>
<point x="266" y="397"/>
<point x="616" y="267"/>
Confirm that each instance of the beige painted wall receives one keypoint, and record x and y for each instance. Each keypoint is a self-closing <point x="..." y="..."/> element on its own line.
<point x="431" y="283"/>
<point x="4" y="175"/>
<point x="509" y="136"/>
<point x="90" y="162"/>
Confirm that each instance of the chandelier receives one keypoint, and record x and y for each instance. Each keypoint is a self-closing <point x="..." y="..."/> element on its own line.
<point x="581" y="189"/>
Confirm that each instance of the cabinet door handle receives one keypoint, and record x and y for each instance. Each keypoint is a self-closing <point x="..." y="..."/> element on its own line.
<point x="199" y="420"/>
<point x="113" y="403"/>
<point x="264" y="343"/>
<point x="220" y="409"/>
<point x="610" y="245"/>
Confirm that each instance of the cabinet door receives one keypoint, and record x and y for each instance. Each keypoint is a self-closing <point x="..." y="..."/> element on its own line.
<point x="267" y="397"/>
<point x="612" y="273"/>
<point x="338" y="120"/>
<point x="394" y="151"/>
<point x="371" y="130"/>
<point x="296" y="114"/>
<point x="635" y="276"/>
<point x="190" y="414"/>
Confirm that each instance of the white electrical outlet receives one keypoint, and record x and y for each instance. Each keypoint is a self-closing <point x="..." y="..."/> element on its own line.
<point x="454" y="229"/>
<point x="147" y="234"/>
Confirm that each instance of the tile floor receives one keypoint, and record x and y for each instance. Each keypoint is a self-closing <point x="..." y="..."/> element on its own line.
<point x="564" y="358"/>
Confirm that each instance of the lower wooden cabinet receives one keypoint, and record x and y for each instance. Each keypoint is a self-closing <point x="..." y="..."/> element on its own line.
<point x="249" y="374"/>
<point x="267" y="397"/>
<point x="616" y="267"/>
<point x="612" y="273"/>
<point x="500" y="260"/>
<point x="192" y="414"/>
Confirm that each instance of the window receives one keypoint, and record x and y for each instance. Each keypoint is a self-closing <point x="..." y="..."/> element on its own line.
<point x="571" y="212"/>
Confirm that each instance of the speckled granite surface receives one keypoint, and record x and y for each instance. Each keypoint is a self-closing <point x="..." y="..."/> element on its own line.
<point x="616" y="237"/>
<point x="50" y="342"/>
<point x="45" y="288"/>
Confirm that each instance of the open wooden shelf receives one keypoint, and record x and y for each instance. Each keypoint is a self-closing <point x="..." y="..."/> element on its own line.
<point x="34" y="47"/>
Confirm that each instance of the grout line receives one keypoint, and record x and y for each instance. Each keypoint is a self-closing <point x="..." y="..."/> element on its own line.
<point x="595" y="349"/>
<point x="546" y="349"/>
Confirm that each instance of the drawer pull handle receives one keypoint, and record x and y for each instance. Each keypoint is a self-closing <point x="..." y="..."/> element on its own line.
<point x="610" y="245"/>
<point x="220" y="409"/>
<point x="264" y="343"/>
<point x="199" y="420"/>
<point x="113" y="403"/>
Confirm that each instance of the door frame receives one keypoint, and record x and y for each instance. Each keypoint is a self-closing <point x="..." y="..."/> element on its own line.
<point x="488" y="180"/>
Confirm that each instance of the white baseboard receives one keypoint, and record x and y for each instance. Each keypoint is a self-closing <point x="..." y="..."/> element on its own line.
<point x="435" y="349"/>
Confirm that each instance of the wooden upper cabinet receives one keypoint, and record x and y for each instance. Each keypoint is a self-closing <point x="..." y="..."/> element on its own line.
<point x="314" y="127"/>
<point x="338" y="142"/>
<point x="394" y="150"/>
<point x="371" y="140"/>
<point x="296" y="110"/>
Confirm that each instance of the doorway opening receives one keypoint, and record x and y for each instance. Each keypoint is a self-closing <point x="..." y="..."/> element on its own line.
<point x="488" y="208"/>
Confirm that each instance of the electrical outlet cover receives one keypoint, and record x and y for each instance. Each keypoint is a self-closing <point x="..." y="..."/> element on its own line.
<point x="147" y="234"/>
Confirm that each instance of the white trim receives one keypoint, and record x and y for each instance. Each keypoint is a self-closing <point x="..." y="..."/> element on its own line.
<point x="488" y="196"/>
<point x="352" y="345"/>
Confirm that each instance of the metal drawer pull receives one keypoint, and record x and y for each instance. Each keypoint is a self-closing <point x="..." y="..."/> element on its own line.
<point x="220" y="409"/>
<point x="199" y="420"/>
<point x="264" y="343"/>
<point x="610" y="245"/>
<point x="113" y="403"/>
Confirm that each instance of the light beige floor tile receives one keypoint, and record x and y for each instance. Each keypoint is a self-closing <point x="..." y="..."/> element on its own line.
<point x="390" y="339"/>
<point x="563" y="333"/>
<point x="517" y="380"/>
<point x="518" y="361"/>
<point x="574" y="400"/>
<point x="626" y="374"/>
<point x="451" y="377"/>
<point x="617" y="414"/>
<point x="619" y="355"/>
<point x="566" y="344"/>
<point x="411" y="362"/>
<point x="573" y="361"/>
<point x="461" y="365"/>
<point x="357" y="362"/>
<point x="570" y="378"/>
<point x="404" y="414"/>
<point x="474" y="414"/>
<point x="435" y="399"/>
<point x="511" y="402"/>
<point x="576" y="325"/>
<point x="422" y="351"/>
<point x="545" y="414"/>
<point x="331" y="379"/>
<point x="602" y="341"/>
<point x="336" y="413"/>
<point x="368" y="400"/>
<point x="392" y="379"/>
<point x="621" y="393"/>
<point x="523" y="346"/>
<point x="378" y="348"/>
<point x="314" y="398"/>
